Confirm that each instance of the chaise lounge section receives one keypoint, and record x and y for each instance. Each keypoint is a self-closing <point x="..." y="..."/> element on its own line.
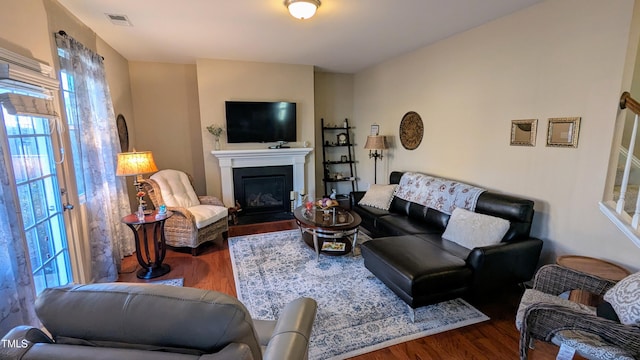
<point x="411" y="256"/>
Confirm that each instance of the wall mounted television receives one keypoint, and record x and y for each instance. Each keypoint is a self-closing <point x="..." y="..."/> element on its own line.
<point x="260" y="122"/>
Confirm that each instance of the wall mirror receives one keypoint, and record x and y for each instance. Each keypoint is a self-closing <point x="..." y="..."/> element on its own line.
<point x="563" y="132"/>
<point x="523" y="132"/>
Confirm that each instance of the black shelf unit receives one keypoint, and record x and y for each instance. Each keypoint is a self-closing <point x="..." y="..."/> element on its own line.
<point x="331" y="149"/>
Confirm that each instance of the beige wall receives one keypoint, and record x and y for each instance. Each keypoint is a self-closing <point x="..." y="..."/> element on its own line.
<point x="333" y="95"/>
<point x="167" y="120"/>
<point x="555" y="59"/>
<point x="221" y="80"/>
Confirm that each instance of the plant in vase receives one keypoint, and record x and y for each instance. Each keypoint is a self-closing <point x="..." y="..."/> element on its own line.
<point x="216" y="130"/>
<point x="140" y="212"/>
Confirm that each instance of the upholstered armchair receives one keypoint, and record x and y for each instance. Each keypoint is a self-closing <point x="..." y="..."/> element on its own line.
<point x="196" y="219"/>
<point x="148" y="321"/>
<point x="594" y="333"/>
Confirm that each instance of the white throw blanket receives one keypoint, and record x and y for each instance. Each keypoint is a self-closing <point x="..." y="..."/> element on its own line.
<point x="437" y="193"/>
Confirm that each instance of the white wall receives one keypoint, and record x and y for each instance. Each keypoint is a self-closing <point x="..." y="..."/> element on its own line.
<point x="559" y="58"/>
<point x="222" y="80"/>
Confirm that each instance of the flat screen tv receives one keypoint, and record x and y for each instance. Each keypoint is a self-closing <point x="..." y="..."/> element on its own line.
<point x="251" y="121"/>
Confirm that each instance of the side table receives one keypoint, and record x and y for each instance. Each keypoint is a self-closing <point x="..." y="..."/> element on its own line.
<point x="592" y="266"/>
<point x="151" y="267"/>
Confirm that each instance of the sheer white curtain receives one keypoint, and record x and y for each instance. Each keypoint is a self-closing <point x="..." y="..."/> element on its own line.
<point x="17" y="293"/>
<point x="106" y="197"/>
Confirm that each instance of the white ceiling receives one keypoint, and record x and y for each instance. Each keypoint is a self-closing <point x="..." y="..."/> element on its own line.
<point x="345" y="36"/>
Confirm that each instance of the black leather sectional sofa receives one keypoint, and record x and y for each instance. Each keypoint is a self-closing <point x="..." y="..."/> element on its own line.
<point x="410" y="256"/>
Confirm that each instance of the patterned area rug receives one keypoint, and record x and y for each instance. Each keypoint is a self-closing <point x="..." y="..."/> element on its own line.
<point x="356" y="312"/>
<point x="171" y="282"/>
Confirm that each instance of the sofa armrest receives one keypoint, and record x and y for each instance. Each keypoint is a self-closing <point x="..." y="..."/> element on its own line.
<point x="290" y="338"/>
<point x="355" y="197"/>
<point x="19" y="340"/>
<point x="495" y="265"/>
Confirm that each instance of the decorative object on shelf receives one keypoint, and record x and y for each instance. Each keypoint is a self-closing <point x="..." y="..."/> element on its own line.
<point x="411" y="130"/>
<point x="375" y="143"/>
<point x="302" y="9"/>
<point x="344" y="158"/>
<point x="135" y="164"/>
<point x="523" y="132"/>
<point x="123" y="132"/>
<point x="333" y="194"/>
<point x="216" y="130"/>
<point x="563" y="132"/>
<point x="342" y="139"/>
<point x="375" y="130"/>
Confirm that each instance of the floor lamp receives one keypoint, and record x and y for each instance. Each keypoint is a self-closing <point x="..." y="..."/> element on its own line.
<point x="375" y="143"/>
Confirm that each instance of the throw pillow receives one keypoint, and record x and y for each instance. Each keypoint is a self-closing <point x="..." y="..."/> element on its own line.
<point x="624" y="297"/>
<point x="471" y="230"/>
<point x="379" y="196"/>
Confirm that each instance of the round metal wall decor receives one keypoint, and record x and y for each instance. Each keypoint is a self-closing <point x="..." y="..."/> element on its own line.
<point x="411" y="130"/>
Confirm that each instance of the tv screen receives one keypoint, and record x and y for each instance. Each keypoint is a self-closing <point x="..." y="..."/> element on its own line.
<point x="260" y="121"/>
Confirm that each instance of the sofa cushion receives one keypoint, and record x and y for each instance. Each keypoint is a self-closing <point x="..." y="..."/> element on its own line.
<point x="396" y="224"/>
<point x="379" y="196"/>
<point x="624" y="297"/>
<point x="473" y="230"/>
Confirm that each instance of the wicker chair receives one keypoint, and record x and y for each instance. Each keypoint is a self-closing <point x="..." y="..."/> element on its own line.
<point x="196" y="219"/>
<point x="543" y="315"/>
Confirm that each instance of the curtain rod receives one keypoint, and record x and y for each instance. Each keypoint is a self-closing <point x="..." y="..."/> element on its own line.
<point x="627" y="102"/>
<point x="63" y="33"/>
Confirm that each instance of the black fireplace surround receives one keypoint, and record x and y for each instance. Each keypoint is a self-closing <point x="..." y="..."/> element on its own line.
<point x="263" y="189"/>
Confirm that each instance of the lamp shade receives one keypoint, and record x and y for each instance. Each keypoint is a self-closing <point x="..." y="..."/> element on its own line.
<point x="376" y="142"/>
<point x="135" y="163"/>
<point x="302" y="9"/>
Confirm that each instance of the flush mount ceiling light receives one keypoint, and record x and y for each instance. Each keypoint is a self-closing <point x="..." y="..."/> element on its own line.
<point x="302" y="9"/>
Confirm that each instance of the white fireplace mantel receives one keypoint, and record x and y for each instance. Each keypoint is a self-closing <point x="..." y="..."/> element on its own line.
<point x="230" y="159"/>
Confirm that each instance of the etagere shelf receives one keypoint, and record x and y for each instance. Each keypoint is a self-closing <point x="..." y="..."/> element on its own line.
<point x="338" y="159"/>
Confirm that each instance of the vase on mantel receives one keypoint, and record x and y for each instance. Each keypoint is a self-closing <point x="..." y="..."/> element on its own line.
<point x="216" y="145"/>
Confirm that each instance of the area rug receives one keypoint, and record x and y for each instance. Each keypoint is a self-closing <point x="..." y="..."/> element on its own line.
<point x="170" y="282"/>
<point x="357" y="313"/>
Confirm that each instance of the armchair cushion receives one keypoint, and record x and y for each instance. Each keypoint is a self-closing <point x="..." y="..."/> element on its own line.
<point x="207" y="214"/>
<point x="532" y="297"/>
<point x="176" y="188"/>
<point x="624" y="297"/>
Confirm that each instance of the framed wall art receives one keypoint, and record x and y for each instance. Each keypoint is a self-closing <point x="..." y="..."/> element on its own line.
<point x="563" y="132"/>
<point x="523" y="132"/>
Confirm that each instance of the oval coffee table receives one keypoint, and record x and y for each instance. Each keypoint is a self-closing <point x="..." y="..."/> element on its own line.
<point x="333" y="224"/>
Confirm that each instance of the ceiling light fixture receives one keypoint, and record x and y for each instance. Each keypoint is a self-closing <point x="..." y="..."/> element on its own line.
<point x="302" y="9"/>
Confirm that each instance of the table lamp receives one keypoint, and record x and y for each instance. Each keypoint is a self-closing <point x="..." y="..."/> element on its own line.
<point x="135" y="164"/>
<point x="375" y="143"/>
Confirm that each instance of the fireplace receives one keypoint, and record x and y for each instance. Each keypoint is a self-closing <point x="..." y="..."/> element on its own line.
<point x="263" y="189"/>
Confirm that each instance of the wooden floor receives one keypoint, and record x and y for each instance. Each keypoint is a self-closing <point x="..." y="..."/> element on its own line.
<point x="493" y="339"/>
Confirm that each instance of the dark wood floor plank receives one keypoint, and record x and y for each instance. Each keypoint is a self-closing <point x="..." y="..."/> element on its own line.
<point x="493" y="339"/>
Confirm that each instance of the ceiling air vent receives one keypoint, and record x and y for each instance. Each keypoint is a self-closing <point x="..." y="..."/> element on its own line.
<point x="121" y="20"/>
